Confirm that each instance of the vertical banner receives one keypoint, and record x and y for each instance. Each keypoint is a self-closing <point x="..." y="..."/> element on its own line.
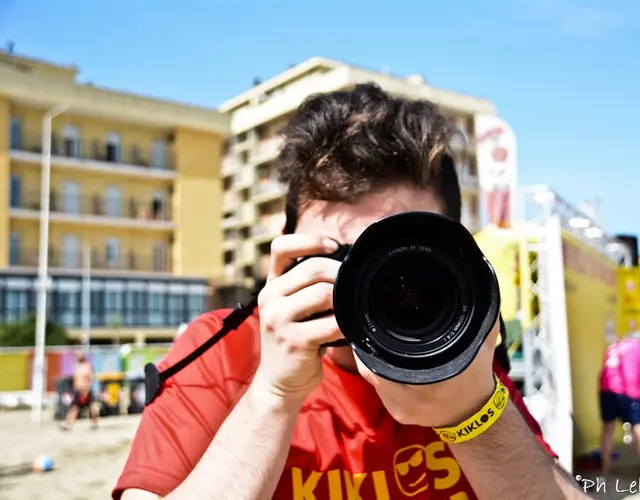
<point x="629" y="292"/>
<point x="496" y="153"/>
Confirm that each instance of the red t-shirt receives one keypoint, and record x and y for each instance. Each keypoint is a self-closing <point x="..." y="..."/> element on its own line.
<point x="344" y="444"/>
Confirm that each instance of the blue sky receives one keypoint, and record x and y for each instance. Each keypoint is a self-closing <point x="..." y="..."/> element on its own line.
<point x="564" y="73"/>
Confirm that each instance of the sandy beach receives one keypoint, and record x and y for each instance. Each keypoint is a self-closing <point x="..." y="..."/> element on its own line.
<point x="88" y="463"/>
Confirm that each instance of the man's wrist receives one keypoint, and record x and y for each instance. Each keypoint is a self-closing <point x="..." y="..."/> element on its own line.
<point x="265" y="400"/>
<point x="471" y="403"/>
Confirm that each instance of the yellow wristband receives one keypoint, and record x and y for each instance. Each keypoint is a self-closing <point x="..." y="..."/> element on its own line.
<point x="481" y="421"/>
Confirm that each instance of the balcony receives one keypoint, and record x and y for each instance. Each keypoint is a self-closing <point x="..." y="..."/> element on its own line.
<point x="246" y="214"/>
<point x="97" y="155"/>
<point x="263" y="266"/>
<point x="268" y="227"/>
<point x="230" y="165"/>
<point x="247" y="253"/>
<point x="267" y="190"/>
<point x="101" y="260"/>
<point x="230" y="201"/>
<point x="96" y="210"/>
<point x="245" y="178"/>
<point x="229" y="222"/>
<point x="266" y="150"/>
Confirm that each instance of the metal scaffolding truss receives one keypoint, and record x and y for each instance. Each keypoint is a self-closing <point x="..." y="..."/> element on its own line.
<point x="541" y="203"/>
<point x="547" y="377"/>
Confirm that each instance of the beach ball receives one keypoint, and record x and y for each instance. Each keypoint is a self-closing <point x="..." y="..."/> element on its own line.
<point x="43" y="463"/>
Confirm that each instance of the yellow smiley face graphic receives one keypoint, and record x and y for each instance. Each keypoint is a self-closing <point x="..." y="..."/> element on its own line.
<point x="500" y="399"/>
<point x="410" y="470"/>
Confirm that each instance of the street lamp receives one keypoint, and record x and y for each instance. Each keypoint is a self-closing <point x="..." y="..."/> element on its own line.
<point x="37" y="382"/>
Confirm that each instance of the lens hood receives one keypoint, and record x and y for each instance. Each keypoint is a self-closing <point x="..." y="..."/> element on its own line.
<point x="416" y="298"/>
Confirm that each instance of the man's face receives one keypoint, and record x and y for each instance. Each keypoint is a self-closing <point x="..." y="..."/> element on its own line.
<point x="344" y="223"/>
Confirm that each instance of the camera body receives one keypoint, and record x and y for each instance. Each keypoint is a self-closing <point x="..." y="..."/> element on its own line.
<point x="415" y="297"/>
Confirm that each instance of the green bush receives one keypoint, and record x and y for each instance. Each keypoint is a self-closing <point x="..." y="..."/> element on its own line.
<point x="23" y="333"/>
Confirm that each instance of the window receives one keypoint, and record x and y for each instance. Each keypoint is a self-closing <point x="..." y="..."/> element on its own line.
<point x="15" y="249"/>
<point x="113" y="148"/>
<point x="71" y="142"/>
<point x="15" y="191"/>
<point x="70" y="258"/>
<point x="113" y="307"/>
<point x="71" y="198"/>
<point x="158" y="210"/>
<point x="15" y="133"/>
<point x="156" y="308"/>
<point x="159" y="154"/>
<point x="97" y="308"/>
<point x="196" y="305"/>
<point x="136" y="157"/>
<point x="463" y="170"/>
<point x="113" y="203"/>
<point x="68" y="307"/>
<point x="113" y="253"/>
<point x="176" y="309"/>
<point x="462" y="126"/>
<point x="136" y="308"/>
<point x="16" y="305"/>
<point x="159" y="258"/>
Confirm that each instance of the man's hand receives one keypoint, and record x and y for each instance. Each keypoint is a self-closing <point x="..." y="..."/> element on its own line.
<point x="291" y="344"/>
<point x="444" y="404"/>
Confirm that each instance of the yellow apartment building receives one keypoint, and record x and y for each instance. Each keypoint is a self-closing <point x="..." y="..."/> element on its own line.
<point x="253" y="202"/>
<point x="134" y="203"/>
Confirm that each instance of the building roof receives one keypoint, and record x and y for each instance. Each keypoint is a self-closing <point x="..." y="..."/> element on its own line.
<point x="412" y="86"/>
<point x="45" y="85"/>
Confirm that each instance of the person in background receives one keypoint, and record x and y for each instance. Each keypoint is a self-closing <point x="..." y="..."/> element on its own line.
<point x="82" y="393"/>
<point x="620" y="392"/>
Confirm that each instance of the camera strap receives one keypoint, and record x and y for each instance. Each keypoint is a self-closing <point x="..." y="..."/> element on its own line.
<point x="155" y="379"/>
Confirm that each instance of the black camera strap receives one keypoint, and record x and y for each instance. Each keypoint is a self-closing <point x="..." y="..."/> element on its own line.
<point x="155" y="379"/>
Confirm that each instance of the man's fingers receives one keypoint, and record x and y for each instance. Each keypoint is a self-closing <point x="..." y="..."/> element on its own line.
<point x="321" y="331"/>
<point x="306" y="274"/>
<point x="285" y="250"/>
<point x="313" y="299"/>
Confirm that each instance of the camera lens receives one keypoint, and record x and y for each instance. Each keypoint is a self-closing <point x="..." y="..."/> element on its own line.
<point x="416" y="298"/>
<point x="412" y="296"/>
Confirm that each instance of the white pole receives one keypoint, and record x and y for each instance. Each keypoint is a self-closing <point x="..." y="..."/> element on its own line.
<point x="37" y="384"/>
<point x="86" y="298"/>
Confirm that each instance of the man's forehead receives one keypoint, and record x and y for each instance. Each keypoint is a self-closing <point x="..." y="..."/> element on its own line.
<point x="344" y="222"/>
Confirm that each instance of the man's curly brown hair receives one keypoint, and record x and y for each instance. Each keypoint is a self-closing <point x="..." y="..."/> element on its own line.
<point x="342" y="145"/>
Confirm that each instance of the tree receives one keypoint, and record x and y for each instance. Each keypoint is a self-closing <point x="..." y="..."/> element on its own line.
<point x="23" y="333"/>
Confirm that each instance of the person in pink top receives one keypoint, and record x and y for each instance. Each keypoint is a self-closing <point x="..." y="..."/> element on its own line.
<point x="620" y="391"/>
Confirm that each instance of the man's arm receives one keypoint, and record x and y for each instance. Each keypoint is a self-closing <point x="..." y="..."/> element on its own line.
<point x="178" y="427"/>
<point x="248" y="454"/>
<point x="506" y="462"/>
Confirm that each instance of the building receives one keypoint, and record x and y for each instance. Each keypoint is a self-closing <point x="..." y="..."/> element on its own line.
<point x="134" y="198"/>
<point x="253" y="202"/>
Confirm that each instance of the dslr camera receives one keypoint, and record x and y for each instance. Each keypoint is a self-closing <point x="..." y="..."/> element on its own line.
<point x="415" y="297"/>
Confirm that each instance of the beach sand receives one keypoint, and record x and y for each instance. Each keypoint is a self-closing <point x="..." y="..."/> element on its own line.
<point x="88" y="463"/>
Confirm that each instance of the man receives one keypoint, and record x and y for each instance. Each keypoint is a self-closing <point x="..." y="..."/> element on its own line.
<point x="620" y="392"/>
<point x="268" y="413"/>
<point x="82" y="393"/>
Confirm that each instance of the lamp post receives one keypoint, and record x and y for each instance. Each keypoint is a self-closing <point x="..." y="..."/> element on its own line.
<point x="37" y="383"/>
